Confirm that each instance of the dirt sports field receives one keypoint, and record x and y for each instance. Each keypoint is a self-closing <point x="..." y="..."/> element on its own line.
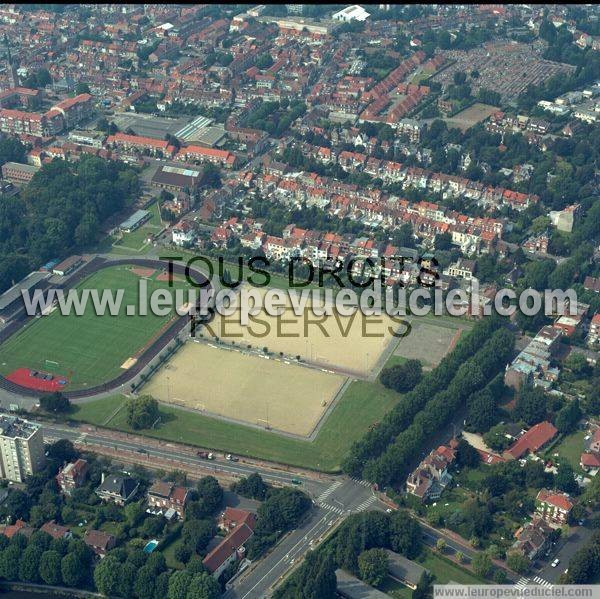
<point x="428" y="342"/>
<point x="469" y="117"/>
<point x="248" y="388"/>
<point x="345" y="344"/>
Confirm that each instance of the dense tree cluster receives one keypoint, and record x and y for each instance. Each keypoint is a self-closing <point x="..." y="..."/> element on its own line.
<point x="402" y="377"/>
<point x="386" y="452"/>
<point x="62" y="209"/>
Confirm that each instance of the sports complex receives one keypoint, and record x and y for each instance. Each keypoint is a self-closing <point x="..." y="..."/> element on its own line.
<point x="287" y="378"/>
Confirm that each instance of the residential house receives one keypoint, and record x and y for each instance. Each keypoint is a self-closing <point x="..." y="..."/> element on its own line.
<point x="118" y="489"/>
<point x="593" y="337"/>
<point x="167" y="497"/>
<point x="431" y="476"/>
<point x="553" y="506"/>
<point x="99" y="542"/>
<point x="533" y="538"/>
<point x="72" y="476"/>
<point x="183" y="233"/>
<point x="230" y="549"/>
<point x="532" y="440"/>
<point x="56" y="531"/>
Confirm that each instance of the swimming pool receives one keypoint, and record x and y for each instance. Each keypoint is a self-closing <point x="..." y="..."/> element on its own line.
<point x="150" y="546"/>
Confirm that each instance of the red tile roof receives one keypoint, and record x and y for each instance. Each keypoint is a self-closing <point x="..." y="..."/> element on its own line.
<point x="227" y="547"/>
<point x="559" y="500"/>
<point x="536" y="437"/>
<point x="590" y="460"/>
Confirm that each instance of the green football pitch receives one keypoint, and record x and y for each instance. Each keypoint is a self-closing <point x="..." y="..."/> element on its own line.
<point x="88" y="349"/>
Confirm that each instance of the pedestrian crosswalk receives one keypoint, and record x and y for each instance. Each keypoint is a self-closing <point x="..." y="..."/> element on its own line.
<point x="542" y="582"/>
<point x="522" y="582"/>
<point x="332" y="508"/>
<point x="365" y="504"/>
<point x="537" y="580"/>
<point x="364" y="483"/>
<point x="325" y="494"/>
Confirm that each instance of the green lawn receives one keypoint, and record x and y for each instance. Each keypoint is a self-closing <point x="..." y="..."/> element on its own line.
<point x="87" y="349"/>
<point x="570" y="449"/>
<point x="362" y="405"/>
<point x="446" y="571"/>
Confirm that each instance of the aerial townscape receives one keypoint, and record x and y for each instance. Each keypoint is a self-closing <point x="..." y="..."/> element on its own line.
<point x="449" y="152"/>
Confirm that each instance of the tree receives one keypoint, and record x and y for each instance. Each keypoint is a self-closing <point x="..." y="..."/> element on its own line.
<point x="55" y="403"/>
<point x="12" y="150"/>
<point x="49" y="569"/>
<point x="203" y="586"/>
<point x="142" y="412"/>
<point x="72" y="569"/>
<point x="482" y="565"/>
<point x="568" y="417"/>
<point x="9" y="562"/>
<point x="211" y="493"/>
<point x="197" y="534"/>
<point x="577" y="363"/>
<point x="531" y="405"/>
<point x="443" y="242"/>
<point x="518" y="562"/>
<point x="535" y="475"/>
<point x="440" y="545"/>
<point x="252" y="486"/>
<point x="466" y="455"/>
<point x="424" y="587"/>
<point x="402" y="377"/>
<point x="373" y="566"/>
<point x="405" y="534"/>
<point x="30" y="563"/>
<point x="179" y="582"/>
<point x="106" y="575"/>
<point x="565" y="478"/>
<point x="62" y="451"/>
<point x="481" y="411"/>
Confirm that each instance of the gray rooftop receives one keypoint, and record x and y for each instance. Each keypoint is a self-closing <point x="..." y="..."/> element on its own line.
<point x="352" y="588"/>
<point x="17" y="428"/>
<point x="137" y="216"/>
<point x="403" y="568"/>
<point x="14" y="293"/>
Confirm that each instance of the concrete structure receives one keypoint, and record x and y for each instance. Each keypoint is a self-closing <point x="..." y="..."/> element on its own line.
<point x="21" y="448"/>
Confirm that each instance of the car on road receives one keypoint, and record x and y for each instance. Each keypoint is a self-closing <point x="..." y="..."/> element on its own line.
<point x="205" y="455"/>
<point x="555" y="563"/>
<point x="296" y="481"/>
<point x="231" y="458"/>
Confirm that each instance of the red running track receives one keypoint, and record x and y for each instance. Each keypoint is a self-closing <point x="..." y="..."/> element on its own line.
<point x="22" y="376"/>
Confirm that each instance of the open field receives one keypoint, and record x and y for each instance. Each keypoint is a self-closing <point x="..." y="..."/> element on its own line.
<point x="428" y="341"/>
<point x="345" y="344"/>
<point x="87" y="349"/>
<point x="470" y="116"/>
<point x="359" y="408"/>
<point x="248" y="388"/>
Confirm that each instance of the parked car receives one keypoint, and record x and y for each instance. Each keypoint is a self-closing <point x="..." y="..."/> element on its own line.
<point x="555" y="563"/>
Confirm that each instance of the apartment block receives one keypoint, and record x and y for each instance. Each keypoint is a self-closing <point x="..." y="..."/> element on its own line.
<point x="21" y="448"/>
